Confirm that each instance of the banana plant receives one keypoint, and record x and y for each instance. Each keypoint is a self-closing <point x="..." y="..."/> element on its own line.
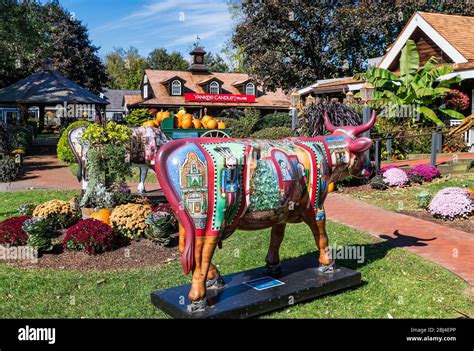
<point x="413" y="86"/>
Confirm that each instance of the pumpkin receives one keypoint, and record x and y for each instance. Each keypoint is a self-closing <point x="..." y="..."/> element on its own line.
<point x="206" y="119"/>
<point x="102" y="215"/>
<point x="149" y="124"/>
<point x="221" y="125"/>
<point x="181" y="112"/>
<point x="187" y="123"/>
<point x="165" y="115"/>
<point x="211" y="124"/>
<point x="197" y="123"/>
<point x="159" y="116"/>
<point x="331" y="187"/>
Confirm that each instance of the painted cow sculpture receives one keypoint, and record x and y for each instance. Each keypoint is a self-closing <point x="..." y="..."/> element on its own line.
<point x="216" y="186"/>
<point x="144" y="144"/>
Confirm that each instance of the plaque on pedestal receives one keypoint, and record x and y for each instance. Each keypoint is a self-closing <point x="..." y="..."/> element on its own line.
<point x="252" y="293"/>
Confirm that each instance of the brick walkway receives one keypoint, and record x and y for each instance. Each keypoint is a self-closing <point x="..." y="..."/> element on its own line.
<point x="439" y="160"/>
<point x="450" y="248"/>
<point x="44" y="171"/>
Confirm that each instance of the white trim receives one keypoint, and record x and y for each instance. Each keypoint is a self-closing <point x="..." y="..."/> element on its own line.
<point x="214" y="85"/>
<point x="419" y="22"/>
<point x="472" y="102"/>
<point x="354" y="86"/>
<point x="466" y="74"/>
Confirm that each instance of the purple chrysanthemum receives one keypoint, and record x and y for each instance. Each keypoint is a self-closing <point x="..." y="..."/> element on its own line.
<point x="427" y="171"/>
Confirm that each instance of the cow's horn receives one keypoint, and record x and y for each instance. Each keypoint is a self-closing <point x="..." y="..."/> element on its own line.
<point x="357" y="130"/>
<point x="329" y="126"/>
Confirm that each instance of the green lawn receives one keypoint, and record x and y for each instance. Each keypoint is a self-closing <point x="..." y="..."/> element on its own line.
<point x="397" y="283"/>
<point x="404" y="199"/>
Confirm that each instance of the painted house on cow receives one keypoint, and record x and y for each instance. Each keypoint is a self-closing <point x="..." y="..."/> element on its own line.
<point x="198" y="88"/>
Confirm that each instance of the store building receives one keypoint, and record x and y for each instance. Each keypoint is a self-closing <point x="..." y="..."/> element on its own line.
<point x="198" y="89"/>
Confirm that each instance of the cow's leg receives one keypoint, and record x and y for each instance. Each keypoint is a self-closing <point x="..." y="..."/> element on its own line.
<point x="317" y="223"/>
<point x="204" y="250"/>
<point x="143" y="175"/>
<point x="273" y="267"/>
<point x="214" y="278"/>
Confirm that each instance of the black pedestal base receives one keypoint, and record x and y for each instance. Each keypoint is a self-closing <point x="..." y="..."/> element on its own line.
<point x="252" y="293"/>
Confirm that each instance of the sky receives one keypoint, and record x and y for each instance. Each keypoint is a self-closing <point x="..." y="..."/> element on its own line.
<point x="150" y="24"/>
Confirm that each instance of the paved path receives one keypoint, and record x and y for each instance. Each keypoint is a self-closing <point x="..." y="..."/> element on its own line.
<point x="439" y="160"/>
<point x="44" y="171"/>
<point x="450" y="248"/>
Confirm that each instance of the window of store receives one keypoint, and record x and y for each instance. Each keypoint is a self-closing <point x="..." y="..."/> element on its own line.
<point x="176" y="88"/>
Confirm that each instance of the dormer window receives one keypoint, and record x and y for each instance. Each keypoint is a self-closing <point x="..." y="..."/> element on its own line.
<point x="176" y="88"/>
<point x="250" y="89"/>
<point x="214" y="88"/>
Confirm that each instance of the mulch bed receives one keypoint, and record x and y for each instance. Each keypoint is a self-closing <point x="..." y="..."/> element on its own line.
<point x="466" y="225"/>
<point x="136" y="254"/>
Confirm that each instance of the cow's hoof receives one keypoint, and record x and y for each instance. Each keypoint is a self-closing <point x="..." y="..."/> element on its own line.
<point x="273" y="270"/>
<point x="326" y="268"/>
<point x="216" y="283"/>
<point x="198" y="306"/>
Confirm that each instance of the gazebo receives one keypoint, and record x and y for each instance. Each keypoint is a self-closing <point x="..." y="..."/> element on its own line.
<point x="48" y="88"/>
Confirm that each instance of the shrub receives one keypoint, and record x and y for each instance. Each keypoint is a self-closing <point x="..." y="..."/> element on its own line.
<point x="457" y="100"/>
<point x="451" y="203"/>
<point x="395" y="177"/>
<point x="273" y="133"/>
<point x="246" y="124"/>
<point x="138" y="117"/>
<point x="60" y="213"/>
<point x="23" y="137"/>
<point x="39" y="232"/>
<point x="415" y="178"/>
<point x="63" y="150"/>
<point x="426" y="171"/>
<point x="274" y="120"/>
<point x="26" y="209"/>
<point x="423" y="199"/>
<point x="90" y="236"/>
<point x="12" y="233"/>
<point x="129" y="220"/>
<point x="9" y="169"/>
<point x="378" y="183"/>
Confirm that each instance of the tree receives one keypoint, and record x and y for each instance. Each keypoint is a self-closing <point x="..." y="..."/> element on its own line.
<point x="291" y="44"/>
<point x="125" y="68"/>
<point x="215" y="63"/>
<point x="31" y="32"/>
<point x="415" y="87"/>
<point x="160" y="59"/>
<point x="71" y="50"/>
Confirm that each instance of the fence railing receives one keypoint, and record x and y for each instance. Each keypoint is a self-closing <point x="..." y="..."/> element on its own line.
<point x="436" y="143"/>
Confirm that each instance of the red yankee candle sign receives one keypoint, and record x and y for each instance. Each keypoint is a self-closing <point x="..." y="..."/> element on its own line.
<point x="236" y="98"/>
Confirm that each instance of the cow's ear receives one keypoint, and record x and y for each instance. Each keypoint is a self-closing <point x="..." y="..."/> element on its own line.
<point x="360" y="145"/>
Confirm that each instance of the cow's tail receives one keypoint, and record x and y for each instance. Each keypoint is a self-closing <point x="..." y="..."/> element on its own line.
<point x="75" y="145"/>
<point x="161" y="161"/>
